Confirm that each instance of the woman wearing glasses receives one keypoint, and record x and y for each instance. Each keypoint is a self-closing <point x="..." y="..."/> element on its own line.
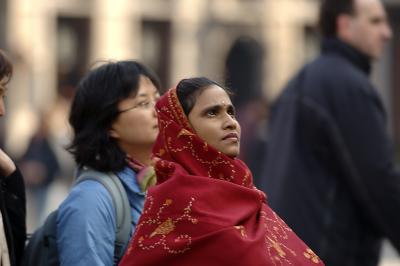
<point x="115" y="126"/>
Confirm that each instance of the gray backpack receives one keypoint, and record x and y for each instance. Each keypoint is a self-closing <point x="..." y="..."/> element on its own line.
<point x="42" y="246"/>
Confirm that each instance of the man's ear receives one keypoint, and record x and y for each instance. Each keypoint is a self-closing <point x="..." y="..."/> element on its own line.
<point x="344" y="27"/>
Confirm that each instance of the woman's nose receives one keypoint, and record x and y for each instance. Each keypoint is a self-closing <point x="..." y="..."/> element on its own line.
<point x="230" y="122"/>
<point x="154" y="108"/>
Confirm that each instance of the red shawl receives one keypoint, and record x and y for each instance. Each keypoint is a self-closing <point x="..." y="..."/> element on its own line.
<point x="204" y="209"/>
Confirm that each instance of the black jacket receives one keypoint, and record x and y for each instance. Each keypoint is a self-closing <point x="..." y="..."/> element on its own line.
<point x="330" y="172"/>
<point x="13" y="210"/>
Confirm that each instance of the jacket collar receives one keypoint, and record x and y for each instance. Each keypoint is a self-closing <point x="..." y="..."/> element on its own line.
<point x="357" y="58"/>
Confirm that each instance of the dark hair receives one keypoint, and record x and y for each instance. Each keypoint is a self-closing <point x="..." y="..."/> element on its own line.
<point x="6" y="68"/>
<point x="189" y="89"/>
<point x="95" y="108"/>
<point x="330" y="11"/>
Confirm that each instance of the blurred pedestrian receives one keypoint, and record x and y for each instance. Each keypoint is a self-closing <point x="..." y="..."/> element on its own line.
<point x="12" y="192"/>
<point x="330" y="172"/>
<point x="244" y="75"/>
<point x="40" y="167"/>
<point x="115" y="126"/>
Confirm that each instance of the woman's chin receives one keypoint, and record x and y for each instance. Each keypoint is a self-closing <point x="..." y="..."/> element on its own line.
<point x="233" y="153"/>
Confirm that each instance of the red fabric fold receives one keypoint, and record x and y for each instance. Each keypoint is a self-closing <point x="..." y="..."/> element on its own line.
<point x="205" y="209"/>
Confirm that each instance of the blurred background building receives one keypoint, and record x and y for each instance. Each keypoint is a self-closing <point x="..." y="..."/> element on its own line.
<point x="54" y="42"/>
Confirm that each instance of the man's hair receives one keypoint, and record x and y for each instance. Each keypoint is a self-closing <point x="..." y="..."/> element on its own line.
<point x="330" y="11"/>
<point x="5" y="67"/>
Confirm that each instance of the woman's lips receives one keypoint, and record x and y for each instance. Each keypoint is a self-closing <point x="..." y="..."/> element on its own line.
<point x="232" y="136"/>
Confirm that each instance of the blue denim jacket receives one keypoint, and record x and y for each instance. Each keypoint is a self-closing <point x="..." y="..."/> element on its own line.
<point x="86" y="221"/>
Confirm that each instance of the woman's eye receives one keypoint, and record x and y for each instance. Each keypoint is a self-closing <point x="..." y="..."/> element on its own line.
<point x="232" y="113"/>
<point x="144" y="104"/>
<point x="211" y="113"/>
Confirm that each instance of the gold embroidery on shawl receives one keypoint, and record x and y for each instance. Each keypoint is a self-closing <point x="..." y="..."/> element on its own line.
<point x="177" y="108"/>
<point x="184" y="132"/>
<point x="277" y="247"/>
<point x="276" y="233"/>
<point x="246" y="177"/>
<point x="219" y="160"/>
<point x="165" y="228"/>
<point x="242" y="230"/>
<point x="309" y="254"/>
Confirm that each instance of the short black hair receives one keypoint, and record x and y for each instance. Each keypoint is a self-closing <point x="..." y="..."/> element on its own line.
<point x="189" y="89"/>
<point x="94" y="109"/>
<point x="329" y="12"/>
<point x="6" y="68"/>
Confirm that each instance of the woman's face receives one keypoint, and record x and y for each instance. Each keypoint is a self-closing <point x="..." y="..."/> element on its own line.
<point x="135" y="128"/>
<point x="213" y="119"/>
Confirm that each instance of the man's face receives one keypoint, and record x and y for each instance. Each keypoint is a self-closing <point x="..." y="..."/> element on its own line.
<point x="368" y="28"/>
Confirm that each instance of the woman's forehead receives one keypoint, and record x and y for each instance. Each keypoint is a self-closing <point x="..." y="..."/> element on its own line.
<point x="213" y="95"/>
<point x="145" y="89"/>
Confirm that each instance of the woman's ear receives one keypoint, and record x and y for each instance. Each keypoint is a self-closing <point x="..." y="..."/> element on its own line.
<point x="113" y="134"/>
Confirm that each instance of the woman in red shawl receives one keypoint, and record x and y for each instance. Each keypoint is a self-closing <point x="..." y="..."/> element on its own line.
<point x="205" y="209"/>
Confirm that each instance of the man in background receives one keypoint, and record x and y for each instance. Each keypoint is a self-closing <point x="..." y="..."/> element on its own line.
<point x="330" y="172"/>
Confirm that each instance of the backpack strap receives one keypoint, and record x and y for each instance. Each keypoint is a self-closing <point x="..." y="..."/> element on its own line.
<point x="121" y="204"/>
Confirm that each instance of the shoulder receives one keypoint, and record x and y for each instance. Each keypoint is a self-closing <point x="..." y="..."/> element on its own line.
<point x="338" y="70"/>
<point x="86" y="226"/>
<point x="88" y="198"/>
<point x="335" y="77"/>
